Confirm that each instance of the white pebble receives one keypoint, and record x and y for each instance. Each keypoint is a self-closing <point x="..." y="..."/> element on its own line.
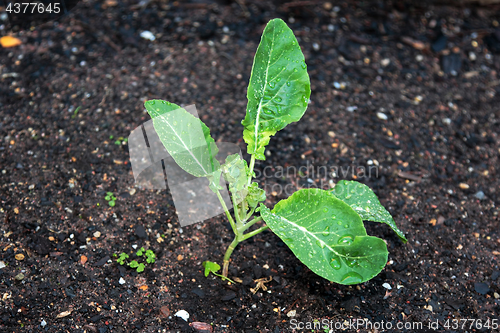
<point x="331" y="27"/>
<point x="385" y="62"/>
<point x="381" y="115"/>
<point x="291" y="313"/>
<point x="447" y="121"/>
<point x="121" y="281"/>
<point x="182" y="314"/>
<point x="419" y="57"/>
<point x="387" y="286"/>
<point x="43" y="323"/>
<point x="316" y="47"/>
<point x="148" y="35"/>
<point x="2" y="264"/>
<point x="472" y="56"/>
<point x="351" y="108"/>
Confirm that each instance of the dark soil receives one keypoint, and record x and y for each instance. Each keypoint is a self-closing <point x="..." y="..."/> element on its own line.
<point x="431" y="70"/>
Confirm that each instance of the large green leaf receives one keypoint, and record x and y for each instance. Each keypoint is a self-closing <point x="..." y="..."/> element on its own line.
<point x="279" y="88"/>
<point x="327" y="236"/>
<point x="362" y="199"/>
<point x="185" y="137"/>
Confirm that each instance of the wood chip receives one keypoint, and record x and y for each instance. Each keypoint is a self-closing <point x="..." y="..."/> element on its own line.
<point x="9" y="41"/>
<point x="416" y="44"/>
<point x="64" y="314"/>
<point x="19" y="256"/>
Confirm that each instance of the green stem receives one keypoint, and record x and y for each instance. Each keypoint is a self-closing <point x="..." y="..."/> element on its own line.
<point x="255" y="232"/>
<point x="249" y="224"/>
<point x="229" y="217"/>
<point x="239" y="223"/>
<point x="229" y="251"/>
<point x="252" y="164"/>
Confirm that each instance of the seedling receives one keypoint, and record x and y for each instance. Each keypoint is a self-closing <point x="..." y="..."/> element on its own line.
<point x="120" y="141"/>
<point x="149" y="256"/>
<point x="323" y="228"/>
<point x="110" y="198"/>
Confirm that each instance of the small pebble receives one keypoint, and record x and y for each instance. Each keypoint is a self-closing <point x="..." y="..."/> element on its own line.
<point x="331" y="134"/>
<point x="480" y="195"/>
<point x="182" y="314"/>
<point x="180" y="257"/>
<point x="385" y="62"/>
<point x="148" y="35"/>
<point x="382" y="116"/>
<point x="2" y="264"/>
<point x="496" y="295"/>
<point x="97" y="234"/>
<point x="419" y="58"/>
<point x="201" y="327"/>
<point x="43" y="323"/>
<point x="164" y="310"/>
<point x="121" y="281"/>
<point x="19" y="256"/>
<point x="387" y="286"/>
<point x="19" y="277"/>
<point x="316" y="47"/>
<point x="482" y="288"/>
<point x="472" y="56"/>
<point x="291" y="313"/>
<point x="464" y="186"/>
<point x="351" y="108"/>
<point x="447" y="121"/>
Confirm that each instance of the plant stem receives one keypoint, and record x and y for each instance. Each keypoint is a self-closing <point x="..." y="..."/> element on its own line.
<point x="229" y="217"/>
<point x="236" y="211"/>
<point x="255" y="232"/>
<point x="252" y="164"/>
<point x="229" y="251"/>
<point x="249" y="224"/>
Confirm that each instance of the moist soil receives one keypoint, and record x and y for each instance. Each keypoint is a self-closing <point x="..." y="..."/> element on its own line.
<point x="408" y="90"/>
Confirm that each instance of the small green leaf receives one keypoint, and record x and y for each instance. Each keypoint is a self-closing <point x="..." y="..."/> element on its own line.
<point x="150" y="260"/>
<point x="210" y="267"/>
<point x="109" y="193"/>
<point x="111" y="203"/>
<point x="364" y="202"/>
<point x="255" y="195"/>
<point x="140" y="268"/>
<point x="327" y="235"/>
<point x="235" y="171"/>
<point x="133" y="264"/>
<point x="279" y="88"/>
<point x="186" y="138"/>
<point x="107" y="198"/>
<point x="140" y="252"/>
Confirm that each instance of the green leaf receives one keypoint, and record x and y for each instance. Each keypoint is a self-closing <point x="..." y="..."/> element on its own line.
<point x="255" y="195"/>
<point x="235" y="171"/>
<point x="133" y="264"/>
<point x="109" y="193"/>
<point x="140" y="252"/>
<point x="140" y="268"/>
<point x="327" y="235"/>
<point x="186" y="138"/>
<point x="210" y="267"/>
<point x="279" y="88"/>
<point x="364" y="202"/>
<point x="111" y="203"/>
<point x="107" y="198"/>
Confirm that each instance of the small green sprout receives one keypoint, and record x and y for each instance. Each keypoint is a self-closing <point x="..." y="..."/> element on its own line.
<point x="120" y="141"/>
<point x="75" y="113"/>
<point x="139" y="266"/>
<point x="110" y="198"/>
<point x="214" y="267"/>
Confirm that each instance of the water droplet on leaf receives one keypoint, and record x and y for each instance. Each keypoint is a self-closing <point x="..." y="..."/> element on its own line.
<point x="352" y="278"/>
